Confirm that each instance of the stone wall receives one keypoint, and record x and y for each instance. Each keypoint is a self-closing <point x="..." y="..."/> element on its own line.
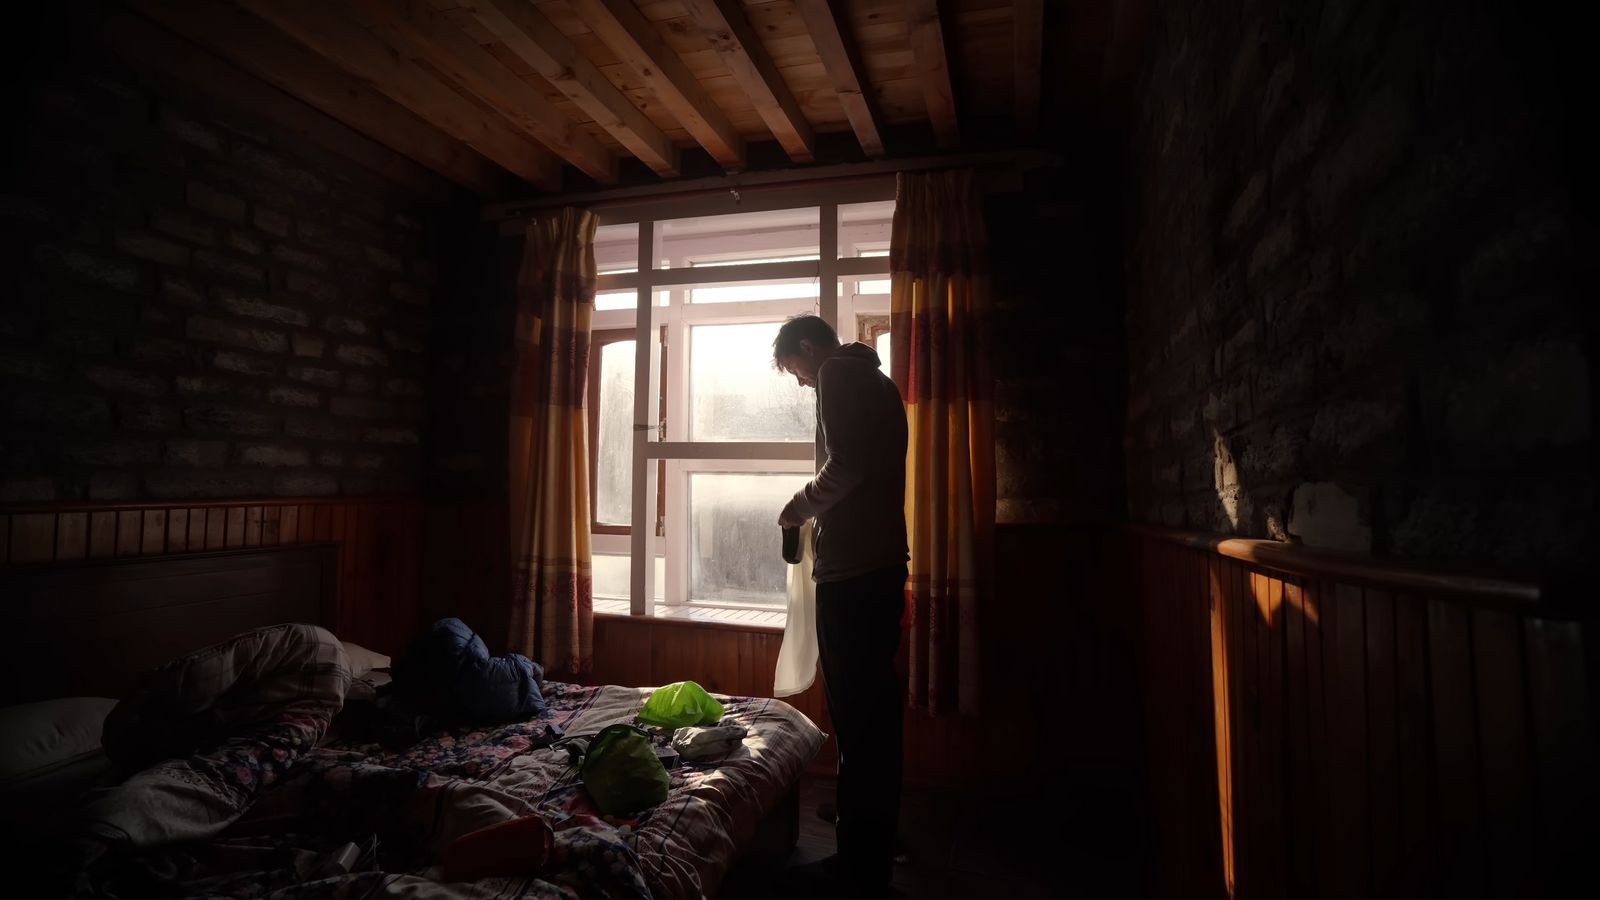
<point x="1360" y="232"/>
<point x="199" y="305"/>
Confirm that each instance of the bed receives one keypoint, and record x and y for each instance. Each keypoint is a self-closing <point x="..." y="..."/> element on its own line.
<point x="124" y="617"/>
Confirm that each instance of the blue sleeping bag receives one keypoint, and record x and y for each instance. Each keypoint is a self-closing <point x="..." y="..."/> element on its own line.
<point x="448" y="672"/>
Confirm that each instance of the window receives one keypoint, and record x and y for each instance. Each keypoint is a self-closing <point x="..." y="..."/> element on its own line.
<point x="732" y="439"/>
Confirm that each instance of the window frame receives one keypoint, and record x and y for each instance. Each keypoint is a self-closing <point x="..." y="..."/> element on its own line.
<point x="597" y="340"/>
<point x="662" y="279"/>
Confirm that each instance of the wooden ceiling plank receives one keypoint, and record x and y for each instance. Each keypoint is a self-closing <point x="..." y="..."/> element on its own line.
<point x="927" y="46"/>
<point x="1027" y="29"/>
<point x="413" y="26"/>
<point x="139" y="39"/>
<point x="247" y="42"/>
<point x="534" y="39"/>
<point x="830" y="32"/>
<point x="725" y="28"/>
<point x="352" y="47"/>
<point x="631" y="36"/>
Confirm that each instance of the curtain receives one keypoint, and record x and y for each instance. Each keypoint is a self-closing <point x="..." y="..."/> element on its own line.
<point x="939" y="334"/>
<point x="551" y="613"/>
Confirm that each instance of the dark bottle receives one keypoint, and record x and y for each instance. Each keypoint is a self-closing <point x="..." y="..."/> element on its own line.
<point x="791" y="545"/>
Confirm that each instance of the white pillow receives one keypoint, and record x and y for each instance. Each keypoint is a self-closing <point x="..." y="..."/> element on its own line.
<point x="363" y="660"/>
<point x="50" y="734"/>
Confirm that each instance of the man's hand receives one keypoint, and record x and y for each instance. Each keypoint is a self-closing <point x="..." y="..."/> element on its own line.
<point x="789" y="518"/>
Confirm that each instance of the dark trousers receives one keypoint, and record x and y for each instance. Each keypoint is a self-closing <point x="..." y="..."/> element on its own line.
<point x="858" y="634"/>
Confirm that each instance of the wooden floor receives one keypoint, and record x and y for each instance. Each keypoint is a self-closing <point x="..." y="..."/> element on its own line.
<point x="1018" y="842"/>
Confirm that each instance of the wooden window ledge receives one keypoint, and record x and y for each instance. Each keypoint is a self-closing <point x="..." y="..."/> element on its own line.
<point x="699" y="616"/>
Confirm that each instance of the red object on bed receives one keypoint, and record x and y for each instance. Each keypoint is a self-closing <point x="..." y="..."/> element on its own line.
<point x="514" y="847"/>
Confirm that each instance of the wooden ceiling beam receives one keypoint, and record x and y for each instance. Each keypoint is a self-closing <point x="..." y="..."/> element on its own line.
<point x="357" y="50"/>
<point x="1027" y="30"/>
<point x="830" y="34"/>
<point x="136" y="38"/>
<point x="247" y="42"/>
<point x="724" y="26"/>
<point x="620" y="25"/>
<point x="414" y="27"/>
<point x="527" y="33"/>
<point x="933" y="68"/>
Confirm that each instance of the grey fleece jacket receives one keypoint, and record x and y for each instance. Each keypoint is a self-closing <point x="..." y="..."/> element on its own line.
<point x="858" y="496"/>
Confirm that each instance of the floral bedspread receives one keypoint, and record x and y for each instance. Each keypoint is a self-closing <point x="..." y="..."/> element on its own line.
<point x="363" y="820"/>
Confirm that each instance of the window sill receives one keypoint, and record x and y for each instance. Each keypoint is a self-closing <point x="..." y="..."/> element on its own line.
<point x="765" y="620"/>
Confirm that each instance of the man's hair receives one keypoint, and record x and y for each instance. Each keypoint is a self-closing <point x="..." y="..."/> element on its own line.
<point x="801" y="328"/>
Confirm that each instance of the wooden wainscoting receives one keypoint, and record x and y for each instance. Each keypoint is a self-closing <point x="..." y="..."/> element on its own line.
<point x="1331" y="727"/>
<point x="378" y="537"/>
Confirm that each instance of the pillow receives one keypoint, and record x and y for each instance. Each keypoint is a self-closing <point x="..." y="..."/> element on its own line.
<point x="50" y="734"/>
<point x="363" y="660"/>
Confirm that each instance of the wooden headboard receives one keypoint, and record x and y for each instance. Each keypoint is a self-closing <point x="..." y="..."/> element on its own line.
<point x="93" y="628"/>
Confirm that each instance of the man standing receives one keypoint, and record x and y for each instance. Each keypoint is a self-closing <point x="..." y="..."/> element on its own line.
<point x="859" y="541"/>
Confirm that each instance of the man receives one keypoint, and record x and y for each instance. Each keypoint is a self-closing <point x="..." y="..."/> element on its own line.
<point x="859" y="542"/>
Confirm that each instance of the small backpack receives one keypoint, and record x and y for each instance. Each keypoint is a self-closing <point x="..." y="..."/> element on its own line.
<point x="621" y="771"/>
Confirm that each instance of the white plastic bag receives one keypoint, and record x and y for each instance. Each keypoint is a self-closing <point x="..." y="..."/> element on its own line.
<point x="797" y="657"/>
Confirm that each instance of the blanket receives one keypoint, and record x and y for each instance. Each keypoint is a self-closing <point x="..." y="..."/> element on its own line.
<point x="205" y="734"/>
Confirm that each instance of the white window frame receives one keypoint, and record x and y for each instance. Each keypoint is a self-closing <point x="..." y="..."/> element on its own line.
<point x="669" y="279"/>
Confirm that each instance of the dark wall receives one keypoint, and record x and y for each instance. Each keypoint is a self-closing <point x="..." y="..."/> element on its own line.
<point x="198" y="304"/>
<point x="1058" y="348"/>
<point x="1359" y="238"/>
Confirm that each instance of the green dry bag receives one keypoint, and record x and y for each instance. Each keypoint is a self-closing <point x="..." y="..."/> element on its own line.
<point x="622" y="772"/>
<point x="679" y="705"/>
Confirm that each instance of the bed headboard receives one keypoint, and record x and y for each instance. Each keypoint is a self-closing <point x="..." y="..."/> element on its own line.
<point x="93" y="628"/>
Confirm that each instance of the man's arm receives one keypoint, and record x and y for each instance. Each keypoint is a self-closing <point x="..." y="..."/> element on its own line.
<point x="846" y="428"/>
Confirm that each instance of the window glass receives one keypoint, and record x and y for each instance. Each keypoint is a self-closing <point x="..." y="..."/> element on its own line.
<point x="872" y="286"/>
<point x="616" y="248"/>
<point x="614" y="445"/>
<point x="881" y="344"/>
<point x="611" y="574"/>
<point x="748" y="261"/>
<point x="753" y="235"/>
<point x="735" y="553"/>
<point x="736" y="395"/>
<point x="864" y="228"/>
<point x="623" y="299"/>
<point x="756" y="290"/>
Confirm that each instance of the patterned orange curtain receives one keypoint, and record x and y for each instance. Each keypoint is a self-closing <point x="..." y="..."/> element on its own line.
<point x="551" y="614"/>
<point x="939" y="319"/>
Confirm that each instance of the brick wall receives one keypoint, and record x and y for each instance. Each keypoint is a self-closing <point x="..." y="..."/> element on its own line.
<point x="1360" y="234"/>
<point x="199" y="305"/>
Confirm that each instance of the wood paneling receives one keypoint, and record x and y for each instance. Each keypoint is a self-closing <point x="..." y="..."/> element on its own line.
<point x="379" y="545"/>
<point x="1355" y="740"/>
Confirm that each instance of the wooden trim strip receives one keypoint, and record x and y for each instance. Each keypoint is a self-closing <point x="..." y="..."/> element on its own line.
<point x="1295" y="560"/>
<point x="876" y="178"/>
<point x="66" y="506"/>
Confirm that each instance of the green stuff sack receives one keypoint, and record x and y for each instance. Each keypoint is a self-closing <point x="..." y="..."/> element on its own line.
<point x="680" y="705"/>
<point x="622" y="772"/>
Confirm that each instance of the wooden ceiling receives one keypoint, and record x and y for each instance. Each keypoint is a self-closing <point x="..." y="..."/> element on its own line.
<point x="565" y="94"/>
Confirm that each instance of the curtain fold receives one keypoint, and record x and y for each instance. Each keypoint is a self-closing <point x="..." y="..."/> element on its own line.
<point x="940" y="308"/>
<point x="551" y="613"/>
